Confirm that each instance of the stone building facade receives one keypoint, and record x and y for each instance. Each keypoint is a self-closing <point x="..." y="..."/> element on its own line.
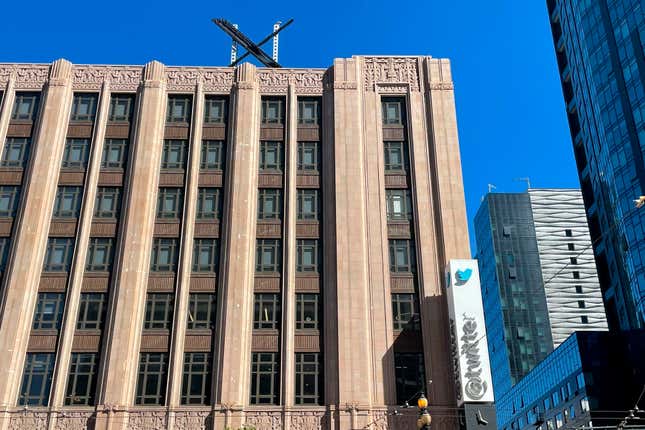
<point x="202" y="247"/>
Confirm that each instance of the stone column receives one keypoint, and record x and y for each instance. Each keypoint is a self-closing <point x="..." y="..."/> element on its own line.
<point x="30" y="237"/>
<point x="131" y="274"/>
<point x="238" y="249"/>
<point x="8" y="99"/>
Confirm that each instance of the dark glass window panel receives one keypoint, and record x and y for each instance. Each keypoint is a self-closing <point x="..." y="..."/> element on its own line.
<point x="308" y="157"/>
<point x="196" y="379"/>
<point x="121" y="107"/>
<point x="402" y="256"/>
<point x="405" y="312"/>
<point x="100" y="255"/>
<point x="410" y="376"/>
<point x="264" y="378"/>
<point x="266" y="311"/>
<point x="108" y="202"/>
<point x="308" y="111"/>
<point x="269" y="204"/>
<point x="4" y="252"/>
<point x="81" y="382"/>
<point x="271" y="156"/>
<point x="16" y="152"/>
<point x="392" y="111"/>
<point x="9" y="198"/>
<point x="212" y="157"/>
<point x="307" y="255"/>
<point x="308" y="204"/>
<point x="25" y="107"/>
<point x="272" y="111"/>
<point x="68" y="202"/>
<point x="174" y="154"/>
<point x="76" y="153"/>
<point x="179" y="108"/>
<point x="170" y="202"/>
<point x="159" y="310"/>
<point x="307" y="311"/>
<point x="201" y="311"/>
<point x="59" y="254"/>
<point x="399" y="204"/>
<point x="215" y="110"/>
<point x="152" y="378"/>
<point x="205" y="255"/>
<point x="49" y="311"/>
<point x="83" y="107"/>
<point x="395" y="157"/>
<point x="164" y="255"/>
<point x="36" y="379"/>
<point x="91" y="311"/>
<point x="268" y="255"/>
<point x="308" y="379"/>
<point x="209" y="204"/>
<point x="115" y="153"/>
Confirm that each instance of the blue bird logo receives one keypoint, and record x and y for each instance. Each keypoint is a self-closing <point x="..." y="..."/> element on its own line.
<point x="462" y="276"/>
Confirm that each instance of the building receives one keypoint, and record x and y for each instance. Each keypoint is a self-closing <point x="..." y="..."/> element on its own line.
<point x="189" y="247"/>
<point x="602" y="68"/>
<point x="539" y="281"/>
<point x="591" y="380"/>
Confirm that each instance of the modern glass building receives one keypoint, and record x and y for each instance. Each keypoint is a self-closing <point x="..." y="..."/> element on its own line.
<point x="599" y="48"/>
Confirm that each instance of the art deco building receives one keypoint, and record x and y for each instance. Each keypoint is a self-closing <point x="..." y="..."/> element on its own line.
<point x="201" y="247"/>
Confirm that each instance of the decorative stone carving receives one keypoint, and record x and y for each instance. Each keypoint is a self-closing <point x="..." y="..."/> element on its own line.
<point x="218" y="80"/>
<point x="391" y="70"/>
<point x="75" y="420"/>
<point x="145" y="420"/>
<point x="28" y="76"/>
<point x="442" y="86"/>
<point x="121" y="78"/>
<point x="276" y="81"/>
<point x="308" y="420"/>
<point x="192" y="420"/>
<point x="264" y="420"/>
<point x="28" y="420"/>
<point x="392" y="88"/>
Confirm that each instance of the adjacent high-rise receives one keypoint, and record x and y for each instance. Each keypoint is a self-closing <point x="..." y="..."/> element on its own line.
<point x="202" y="247"/>
<point x="599" y="48"/>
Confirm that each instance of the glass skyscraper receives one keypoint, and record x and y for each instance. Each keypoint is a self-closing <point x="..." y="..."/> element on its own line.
<point x="599" y="48"/>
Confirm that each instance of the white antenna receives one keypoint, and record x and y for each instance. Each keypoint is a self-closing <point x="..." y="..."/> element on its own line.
<point x="234" y="48"/>
<point x="276" y="27"/>
<point x="491" y="187"/>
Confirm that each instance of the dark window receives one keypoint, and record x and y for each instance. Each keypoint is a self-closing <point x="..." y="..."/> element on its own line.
<point x="49" y="311"/>
<point x="571" y="246"/>
<point x="212" y="155"/>
<point x="9" y="196"/>
<point x="405" y="311"/>
<point x="195" y="386"/>
<point x="205" y="255"/>
<point x="581" y="304"/>
<point x="399" y="204"/>
<point x="308" y="157"/>
<point x="121" y="107"/>
<point x="179" y="108"/>
<point x="37" y="379"/>
<point x="170" y="202"/>
<point x="158" y="311"/>
<point x="264" y="378"/>
<point x="307" y="255"/>
<point x="579" y="289"/>
<point x="268" y="255"/>
<point x="272" y="111"/>
<point x="402" y="256"/>
<point x="271" y="156"/>
<point x="307" y="311"/>
<point x="115" y="153"/>
<point x="16" y="152"/>
<point x="308" y="111"/>
<point x="266" y="311"/>
<point x="201" y="311"/>
<point x="308" y="381"/>
<point x="215" y="110"/>
<point x="208" y="203"/>
<point x="4" y="252"/>
<point x="308" y="204"/>
<point x="568" y="233"/>
<point x="83" y="107"/>
<point x="100" y="254"/>
<point x="573" y="260"/>
<point x="108" y="202"/>
<point x="392" y="111"/>
<point x="151" y="383"/>
<point x="576" y="275"/>
<point x="68" y="202"/>
<point x="91" y="311"/>
<point x="59" y="254"/>
<point x="25" y="108"/>
<point x="76" y="153"/>
<point x="164" y="255"/>
<point x="584" y="319"/>
<point x="410" y="375"/>
<point x="81" y="383"/>
<point x="395" y="157"/>
<point x="269" y="204"/>
<point x="174" y="154"/>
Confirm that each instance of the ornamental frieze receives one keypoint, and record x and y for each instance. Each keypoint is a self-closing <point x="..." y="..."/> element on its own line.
<point x="186" y="79"/>
<point x="391" y="70"/>
<point x="121" y="78"/>
<point x="276" y="81"/>
<point x="27" y="76"/>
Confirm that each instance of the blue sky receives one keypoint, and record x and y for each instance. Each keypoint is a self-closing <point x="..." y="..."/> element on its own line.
<point x="509" y="104"/>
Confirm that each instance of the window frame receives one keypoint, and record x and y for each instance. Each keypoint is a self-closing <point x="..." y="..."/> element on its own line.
<point x="215" y="146"/>
<point x="91" y="99"/>
<point x="92" y="309"/>
<point x="303" y="148"/>
<point x="120" y="144"/>
<point x="116" y="99"/>
<point x="152" y="365"/>
<point x="266" y="105"/>
<point x="60" y="203"/>
<point x="400" y="304"/>
<point x="209" y="102"/>
<point x="73" y="144"/>
<point x="204" y="194"/>
<point x="63" y="266"/>
<point x="309" y="195"/>
<point x="264" y="365"/>
<point x="164" y="244"/>
<point x="82" y="366"/>
<point x="12" y="195"/>
<point x="278" y="147"/>
<point x="195" y="302"/>
<point x="196" y="365"/>
<point x="155" y="303"/>
<point x="308" y="365"/>
<point x="30" y="374"/>
<point x="174" y="195"/>
<point x="405" y="196"/>
<point x="263" y="245"/>
<point x="96" y="244"/>
<point x="267" y="305"/>
<point x="210" y="245"/>
<point x="44" y="301"/>
<point x="396" y="245"/>
<point x="168" y="146"/>
<point x="23" y="145"/>
<point x="308" y="303"/>
<point x="101" y="194"/>
<point x="395" y="146"/>
<point x="34" y="106"/>
<point x="303" y="246"/>
<point x="265" y="196"/>
<point x="302" y="104"/>
<point x="178" y="100"/>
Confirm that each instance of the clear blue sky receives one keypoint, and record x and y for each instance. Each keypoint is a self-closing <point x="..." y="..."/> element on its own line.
<point x="509" y="103"/>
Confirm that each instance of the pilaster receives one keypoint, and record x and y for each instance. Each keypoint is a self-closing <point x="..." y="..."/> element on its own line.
<point x="8" y="98"/>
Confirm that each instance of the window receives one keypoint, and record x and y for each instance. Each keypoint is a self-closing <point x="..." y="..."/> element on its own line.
<point x="264" y="378"/>
<point x="576" y="275"/>
<point x="271" y="156"/>
<point x="410" y="375"/>
<point x="581" y="304"/>
<point x="179" y="107"/>
<point x="573" y="260"/>
<point x="559" y="422"/>
<point x="308" y="381"/>
<point x="405" y="311"/>
<point x="36" y="379"/>
<point x="205" y="255"/>
<point x="555" y="397"/>
<point x="201" y="311"/>
<point x="308" y="205"/>
<point x="100" y="254"/>
<point x="91" y="311"/>
<point x="395" y="157"/>
<point x="59" y="254"/>
<point x="308" y="111"/>
<point x="580" y="381"/>
<point x="151" y="381"/>
<point x="584" y="319"/>
<point x="115" y="153"/>
<point x="392" y="111"/>
<point x="170" y="202"/>
<point x="308" y="157"/>
<point x="272" y="111"/>
<point x="579" y="289"/>
<point x="16" y="152"/>
<point x="268" y="255"/>
<point x="68" y="202"/>
<point x="269" y="204"/>
<point x="307" y="255"/>
<point x="174" y="154"/>
<point x="399" y="205"/>
<point x="208" y="203"/>
<point x="83" y="107"/>
<point x="158" y="311"/>
<point x="195" y="385"/>
<point x="547" y="403"/>
<point x="81" y="382"/>
<point x="307" y="311"/>
<point x="76" y="153"/>
<point x="121" y="106"/>
<point x="108" y="202"/>
<point x="266" y="311"/>
<point x="402" y="257"/>
<point x="4" y="252"/>
<point x="49" y="311"/>
<point x="568" y="233"/>
<point x="25" y="108"/>
<point x="9" y="196"/>
<point x="212" y="155"/>
<point x="164" y="255"/>
<point x="571" y="246"/>
<point x="584" y="404"/>
<point x="214" y="110"/>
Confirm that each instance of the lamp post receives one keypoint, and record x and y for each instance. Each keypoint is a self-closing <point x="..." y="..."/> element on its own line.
<point x="424" y="417"/>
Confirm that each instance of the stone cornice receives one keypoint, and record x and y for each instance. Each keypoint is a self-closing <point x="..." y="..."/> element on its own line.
<point x="393" y="73"/>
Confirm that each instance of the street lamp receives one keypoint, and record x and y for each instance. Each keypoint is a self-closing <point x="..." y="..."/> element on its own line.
<point x="424" y="417"/>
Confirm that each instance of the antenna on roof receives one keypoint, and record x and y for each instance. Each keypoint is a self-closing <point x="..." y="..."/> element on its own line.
<point x="233" y="48"/>
<point x="276" y="27"/>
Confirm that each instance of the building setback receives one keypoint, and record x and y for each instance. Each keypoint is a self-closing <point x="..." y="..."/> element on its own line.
<point x="199" y="247"/>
